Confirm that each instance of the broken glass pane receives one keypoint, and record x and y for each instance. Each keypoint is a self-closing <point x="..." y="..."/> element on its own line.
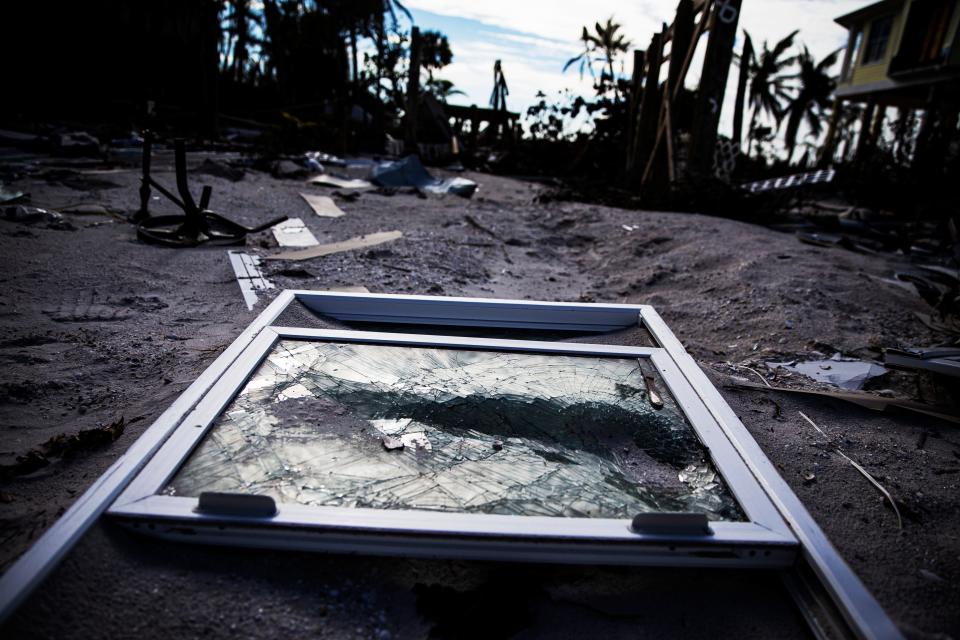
<point x="395" y="427"/>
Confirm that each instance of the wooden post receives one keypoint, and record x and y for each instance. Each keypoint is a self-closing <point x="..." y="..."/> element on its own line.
<point x="636" y="86"/>
<point x="746" y="55"/>
<point x="679" y="43"/>
<point x="863" y="138"/>
<point x="413" y="93"/>
<point x="830" y="140"/>
<point x="649" y="113"/>
<point x="713" y="83"/>
<point x="877" y="125"/>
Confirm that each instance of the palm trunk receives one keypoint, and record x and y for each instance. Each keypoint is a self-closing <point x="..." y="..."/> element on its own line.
<point x="613" y="80"/>
<point x="353" y="54"/>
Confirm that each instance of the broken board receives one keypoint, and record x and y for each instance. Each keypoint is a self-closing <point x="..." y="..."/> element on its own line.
<point x="293" y="233"/>
<point x="358" y="242"/>
<point x="247" y="269"/>
<point x="323" y="206"/>
<point x="341" y="183"/>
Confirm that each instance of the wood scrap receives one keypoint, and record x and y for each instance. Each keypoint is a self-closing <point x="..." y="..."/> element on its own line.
<point x="323" y="206"/>
<point x="293" y="233"/>
<point x="358" y="242"/>
<point x="866" y="474"/>
<point x="326" y="180"/>
<point x="865" y="400"/>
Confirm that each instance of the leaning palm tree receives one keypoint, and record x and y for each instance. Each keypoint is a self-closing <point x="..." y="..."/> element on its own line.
<point x="769" y="87"/>
<point x="812" y="100"/>
<point x="602" y="47"/>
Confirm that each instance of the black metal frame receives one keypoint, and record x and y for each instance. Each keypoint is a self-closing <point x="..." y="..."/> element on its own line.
<point x="198" y="224"/>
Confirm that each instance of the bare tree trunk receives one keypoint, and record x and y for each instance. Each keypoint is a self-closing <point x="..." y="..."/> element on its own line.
<point x="353" y="54"/>
<point x="745" y="55"/>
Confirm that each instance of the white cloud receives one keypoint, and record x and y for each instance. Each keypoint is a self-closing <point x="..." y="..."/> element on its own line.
<point x="546" y="34"/>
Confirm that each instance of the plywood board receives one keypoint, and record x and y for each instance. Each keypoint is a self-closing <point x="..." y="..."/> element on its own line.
<point x="323" y="206"/>
<point x="358" y="242"/>
<point x="293" y="233"/>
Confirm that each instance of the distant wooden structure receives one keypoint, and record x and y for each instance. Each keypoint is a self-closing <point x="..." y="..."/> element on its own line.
<point x="651" y="163"/>
<point x="500" y="126"/>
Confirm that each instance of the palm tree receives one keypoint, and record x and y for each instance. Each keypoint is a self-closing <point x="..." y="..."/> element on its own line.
<point x="769" y="87"/>
<point x="442" y="89"/>
<point x="813" y="96"/>
<point x="603" y="47"/>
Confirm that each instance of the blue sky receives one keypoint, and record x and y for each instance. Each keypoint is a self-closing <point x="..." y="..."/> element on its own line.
<point x="535" y="38"/>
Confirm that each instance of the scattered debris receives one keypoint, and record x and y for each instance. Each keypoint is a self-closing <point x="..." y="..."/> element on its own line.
<point x="943" y="360"/>
<point x="926" y="574"/>
<point x="10" y="197"/>
<point x="247" y="269"/>
<point x="220" y="169"/>
<point x="354" y="289"/>
<point x="293" y="233"/>
<point x="288" y="169"/>
<point x="391" y="443"/>
<point x="791" y="181"/>
<point x="77" y="143"/>
<point x="845" y="373"/>
<point x="473" y="222"/>
<point x="809" y="478"/>
<point x="316" y="160"/>
<point x="408" y="172"/>
<point x="64" y="446"/>
<point x="87" y="209"/>
<point x="32" y="215"/>
<point x="323" y="206"/>
<point x="656" y="401"/>
<point x="865" y="400"/>
<point x="296" y="273"/>
<point x="863" y="472"/>
<point x="327" y="180"/>
<point x="358" y="242"/>
<point x="630" y="228"/>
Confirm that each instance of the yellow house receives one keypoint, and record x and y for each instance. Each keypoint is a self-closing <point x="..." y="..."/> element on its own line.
<point x="900" y="53"/>
<point x="898" y="49"/>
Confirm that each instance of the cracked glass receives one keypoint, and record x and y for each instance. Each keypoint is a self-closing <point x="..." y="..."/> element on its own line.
<point x="469" y="431"/>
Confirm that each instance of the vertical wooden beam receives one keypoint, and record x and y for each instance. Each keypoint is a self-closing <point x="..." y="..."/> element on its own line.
<point x="863" y="137"/>
<point x="636" y="86"/>
<point x="713" y="83"/>
<point x="877" y="125"/>
<point x="829" y="142"/>
<point x="679" y="43"/>
<point x="413" y="93"/>
<point x="746" y="54"/>
<point x="649" y="113"/>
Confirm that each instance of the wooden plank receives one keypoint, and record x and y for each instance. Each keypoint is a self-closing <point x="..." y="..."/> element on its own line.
<point x="323" y="206"/>
<point x="293" y="233"/>
<point x="359" y="242"/>
<point x="647" y="117"/>
<point x="713" y="82"/>
<point x="413" y="92"/>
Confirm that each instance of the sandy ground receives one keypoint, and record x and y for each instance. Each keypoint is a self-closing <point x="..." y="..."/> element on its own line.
<point x="97" y="326"/>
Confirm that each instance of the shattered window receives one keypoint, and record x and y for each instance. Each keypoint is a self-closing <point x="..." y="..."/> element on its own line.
<point x="396" y="427"/>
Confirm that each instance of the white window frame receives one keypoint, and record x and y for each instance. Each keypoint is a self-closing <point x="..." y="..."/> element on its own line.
<point x="764" y="539"/>
<point x="817" y="558"/>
